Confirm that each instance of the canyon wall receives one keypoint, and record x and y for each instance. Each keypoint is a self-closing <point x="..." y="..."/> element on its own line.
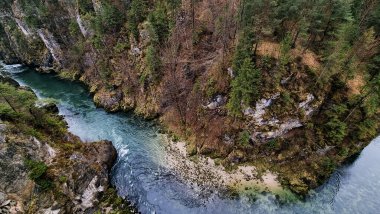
<point x="240" y="81"/>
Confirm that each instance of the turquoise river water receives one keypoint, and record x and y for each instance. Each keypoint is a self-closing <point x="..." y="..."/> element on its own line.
<point x="140" y="173"/>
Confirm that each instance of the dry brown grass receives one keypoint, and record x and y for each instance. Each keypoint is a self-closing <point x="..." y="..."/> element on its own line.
<point x="355" y="85"/>
<point x="272" y="49"/>
<point x="310" y="59"/>
<point x="267" y="48"/>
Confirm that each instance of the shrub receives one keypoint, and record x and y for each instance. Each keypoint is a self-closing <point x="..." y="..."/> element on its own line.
<point x="336" y="130"/>
<point x="285" y="47"/>
<point x="367" y="129"/>
<point x="108" y="20"/>
<point x="121" y="46"/>
<point x="328" y="165"/>
<point x="7" y="113"/>
<point x="244" y="137"/>
<point x="343" y="152"/>
<point x="136" y="14"/>
<point x="74" y="28"/>
<point x="36" y="169"/>
<point x="210" y="90"/>
<point x="62" y="179"/>
<point x="85" y="6"/>
<point x="272" y="144"/>
<point x="153" y="61"/>
<point x="160" y="22"/>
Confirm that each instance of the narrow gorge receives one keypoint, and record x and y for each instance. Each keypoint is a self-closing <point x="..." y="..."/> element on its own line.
<point x="251" y="106"/>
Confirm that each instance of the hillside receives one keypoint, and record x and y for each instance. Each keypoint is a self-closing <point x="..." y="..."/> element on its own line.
<point x="45" y="169"/>
<point x="290" y="86"/>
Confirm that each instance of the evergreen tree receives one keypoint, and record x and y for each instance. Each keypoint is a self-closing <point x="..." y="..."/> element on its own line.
<point x="336" y="128"/>
<point x="159" y="22"/>
<point x="243" y="49"/>
<point x="109" y="20"/>
<point x="136" y="14"/>
<point x="245" y="87"/>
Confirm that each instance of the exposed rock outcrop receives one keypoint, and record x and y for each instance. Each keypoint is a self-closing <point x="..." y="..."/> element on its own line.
<point x="45" y="169"/>
<point x="173" y="60"/>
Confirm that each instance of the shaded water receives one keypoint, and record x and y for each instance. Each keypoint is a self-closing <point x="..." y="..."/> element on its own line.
<point x="141" y="175"/>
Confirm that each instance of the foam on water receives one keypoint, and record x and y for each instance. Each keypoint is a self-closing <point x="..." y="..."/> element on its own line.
<point x="13" y="69"/>
<point x="141" y="173"/>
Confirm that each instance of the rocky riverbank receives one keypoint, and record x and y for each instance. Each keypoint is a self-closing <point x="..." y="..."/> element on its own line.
<point x="208" y="176"/>
<point x="44" y="168"/>
<point x="300" y="115"/>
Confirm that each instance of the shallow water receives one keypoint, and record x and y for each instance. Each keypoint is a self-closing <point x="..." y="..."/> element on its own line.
<point x="141" y="175"/>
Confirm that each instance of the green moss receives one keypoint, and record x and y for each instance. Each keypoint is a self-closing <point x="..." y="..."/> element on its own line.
<point x="37" y="173"/>
<point x="68" y="75"/>
<point x="118" y="204"/>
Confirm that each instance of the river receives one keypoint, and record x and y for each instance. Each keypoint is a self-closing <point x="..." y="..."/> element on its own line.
<point x="141" y="174"/>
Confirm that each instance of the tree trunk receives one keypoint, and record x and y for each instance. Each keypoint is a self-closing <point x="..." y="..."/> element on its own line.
<point x="295" y="39"/>
<point x="256" y="46"/>
<point x="356" y="106"/>
<point x="6" y="100"/>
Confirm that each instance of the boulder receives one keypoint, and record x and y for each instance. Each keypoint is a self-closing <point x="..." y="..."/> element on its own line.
<point x="48" y="104"/>
<point x="109" y="100"/>
<point x="10" y="81"/>
<point x="218" y="101"/>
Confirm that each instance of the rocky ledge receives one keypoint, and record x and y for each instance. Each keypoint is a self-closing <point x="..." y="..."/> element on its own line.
<point x="44" y="168"/>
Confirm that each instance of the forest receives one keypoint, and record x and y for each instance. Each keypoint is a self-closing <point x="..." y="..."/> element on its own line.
<point x="287" y="85"/>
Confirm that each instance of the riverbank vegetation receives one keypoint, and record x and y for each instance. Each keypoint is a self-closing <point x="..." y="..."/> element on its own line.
<point x="42" y="164"/>
<point x="288" y="85"/>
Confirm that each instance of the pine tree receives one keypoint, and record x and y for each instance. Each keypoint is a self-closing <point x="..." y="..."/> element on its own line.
<point x="160" y="22"/>
<point x="243" y="49"/>
<point x="245" y="87"/>
<point x="136" y="14"/>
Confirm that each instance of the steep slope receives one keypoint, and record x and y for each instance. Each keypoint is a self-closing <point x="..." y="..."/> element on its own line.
<point x="287" y="85"/>
<point x="43" y="168"/>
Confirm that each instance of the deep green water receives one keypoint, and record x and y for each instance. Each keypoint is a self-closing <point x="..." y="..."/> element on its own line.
<point x="141" y="175"/>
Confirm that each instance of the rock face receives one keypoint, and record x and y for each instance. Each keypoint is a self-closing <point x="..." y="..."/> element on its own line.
<point x="45" y="169"/>
<point x="82" y="179"/>
<point x="5" y="79"/>
<point x="184" y="76"/>
<point x="109" y="101"/>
